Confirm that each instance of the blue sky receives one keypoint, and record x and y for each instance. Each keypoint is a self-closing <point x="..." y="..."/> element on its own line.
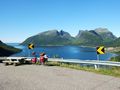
<point x="20" y="19"/>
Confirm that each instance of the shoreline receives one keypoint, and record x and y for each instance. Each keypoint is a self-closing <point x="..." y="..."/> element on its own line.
<point x="113" y="49"/>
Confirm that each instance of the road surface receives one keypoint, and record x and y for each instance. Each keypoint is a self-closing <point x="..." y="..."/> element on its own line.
<point x="37" y="77"/>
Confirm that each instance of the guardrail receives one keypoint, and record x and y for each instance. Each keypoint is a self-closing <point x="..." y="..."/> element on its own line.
<point x="96" y="63"/>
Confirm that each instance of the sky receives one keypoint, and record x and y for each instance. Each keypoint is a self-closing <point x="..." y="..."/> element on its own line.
<point x="20" y="19"/>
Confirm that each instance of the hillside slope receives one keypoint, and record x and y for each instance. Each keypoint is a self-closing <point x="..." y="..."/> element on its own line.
<point x="6" y="50"/>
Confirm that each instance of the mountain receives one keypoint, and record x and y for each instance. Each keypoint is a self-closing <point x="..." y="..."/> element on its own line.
<point x="6" y="50"/>
<point x="51" y="37"/>
<point x="88" y="38"/>
<point x="115" y="43"/>
<point x="105" y="34"/>
<point x="99" y="36"/>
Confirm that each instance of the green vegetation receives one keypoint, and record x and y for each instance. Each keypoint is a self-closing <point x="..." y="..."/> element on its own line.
<point x="115" y="43"/>
<point x="50" y="38"/>
<point x="118" y="52"/>
<point x="89" y="38"/>
<point x="113" y="71"/>
<point x="116" y="59"/>
<point x="99" y="36"/>
<point x="6" y="50"/>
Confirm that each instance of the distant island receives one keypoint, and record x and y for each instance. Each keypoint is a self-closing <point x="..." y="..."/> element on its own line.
<point x="6" y="50"/>
<point x="99" y="36"/>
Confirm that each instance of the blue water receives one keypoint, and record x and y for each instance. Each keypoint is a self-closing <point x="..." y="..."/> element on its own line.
<point x="65" y="52"/>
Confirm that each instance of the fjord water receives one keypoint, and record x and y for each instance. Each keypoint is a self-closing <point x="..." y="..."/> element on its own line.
<point x="65" y="52"/>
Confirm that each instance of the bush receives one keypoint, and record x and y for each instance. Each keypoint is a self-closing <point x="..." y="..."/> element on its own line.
<point x="116" y="59"/>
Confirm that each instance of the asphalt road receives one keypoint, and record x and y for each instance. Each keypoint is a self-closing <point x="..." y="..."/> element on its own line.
<point x="35" y="77"/>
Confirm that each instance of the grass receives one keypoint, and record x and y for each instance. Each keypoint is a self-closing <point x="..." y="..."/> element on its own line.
<point x="113" y="71"/>
<point x="115" y="59"/>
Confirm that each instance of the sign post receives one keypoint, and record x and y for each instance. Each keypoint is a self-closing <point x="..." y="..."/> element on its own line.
<point x="98" y="57"/>
<point x="30" y="46"/>
<point x="100" y="50"/>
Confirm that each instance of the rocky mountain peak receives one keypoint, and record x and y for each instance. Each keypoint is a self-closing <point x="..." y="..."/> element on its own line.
<point x="102" y="30"/>
<point x="50" y="32"/>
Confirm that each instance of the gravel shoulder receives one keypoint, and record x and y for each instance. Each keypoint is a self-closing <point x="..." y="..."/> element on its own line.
<point x="38" y="77"/>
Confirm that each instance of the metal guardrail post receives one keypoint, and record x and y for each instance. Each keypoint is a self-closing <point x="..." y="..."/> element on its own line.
<point x="96" y="67"/>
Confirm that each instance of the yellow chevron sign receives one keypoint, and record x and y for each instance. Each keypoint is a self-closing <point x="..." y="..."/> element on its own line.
<point x="100" y="50"/>
<point x="30" y="46"/>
